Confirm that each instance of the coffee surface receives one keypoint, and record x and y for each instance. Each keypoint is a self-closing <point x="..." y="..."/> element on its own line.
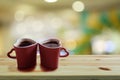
<point x="25" y="43"/>
<point x="51" y="44"/>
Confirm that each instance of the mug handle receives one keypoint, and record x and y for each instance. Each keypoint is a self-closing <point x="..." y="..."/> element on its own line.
<point x="67" y="53"/>
<point x="8" y="54"/>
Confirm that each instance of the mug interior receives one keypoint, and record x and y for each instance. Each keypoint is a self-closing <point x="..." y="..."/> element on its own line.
<point x="52" y="43"/>
<point x="24" y="42"/>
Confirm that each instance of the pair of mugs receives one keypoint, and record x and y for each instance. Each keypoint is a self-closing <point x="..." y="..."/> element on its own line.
<point x="26" y="50"/>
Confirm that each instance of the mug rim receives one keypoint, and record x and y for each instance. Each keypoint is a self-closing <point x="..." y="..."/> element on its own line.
<point x="23" y="39"/>
<point x="59" y="43"/>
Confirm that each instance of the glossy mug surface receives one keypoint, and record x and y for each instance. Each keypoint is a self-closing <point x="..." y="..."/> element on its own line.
<point x="25" y="50"/>
<point x="50" y="53"/>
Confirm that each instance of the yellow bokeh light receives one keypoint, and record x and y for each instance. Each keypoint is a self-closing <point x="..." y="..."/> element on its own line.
<point x="71" y="44"/>
<point x="78" y="6"/>
<point x="50" y="1"/>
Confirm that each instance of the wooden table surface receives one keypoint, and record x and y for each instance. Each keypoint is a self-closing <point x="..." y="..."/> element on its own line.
<point x="85" y="67"/>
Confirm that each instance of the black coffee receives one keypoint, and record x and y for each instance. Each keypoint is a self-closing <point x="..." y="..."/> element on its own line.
<point x="51" y="44"/>
<point x="25" y="43"/>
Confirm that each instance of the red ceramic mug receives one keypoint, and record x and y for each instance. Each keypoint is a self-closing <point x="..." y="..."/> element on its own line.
<point x="25" y="50"/>
<point x="50" y="52"/>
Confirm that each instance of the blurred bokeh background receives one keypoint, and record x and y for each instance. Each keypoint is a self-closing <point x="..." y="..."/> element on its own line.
<point x="84" y="26"/>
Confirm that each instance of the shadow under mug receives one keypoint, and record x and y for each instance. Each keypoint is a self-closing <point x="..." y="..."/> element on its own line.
<point x="25" y="50"/>
<point x="50" y="53"/>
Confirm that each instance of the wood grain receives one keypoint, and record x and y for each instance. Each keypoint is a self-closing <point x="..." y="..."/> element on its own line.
<point x="73" y="65"/>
